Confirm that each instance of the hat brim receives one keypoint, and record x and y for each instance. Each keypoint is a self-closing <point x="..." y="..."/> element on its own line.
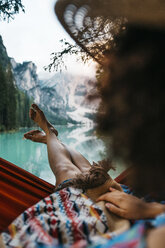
<point x="92" y="23"/>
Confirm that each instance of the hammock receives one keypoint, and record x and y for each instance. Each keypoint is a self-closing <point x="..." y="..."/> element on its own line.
<point x="20" y="189"/>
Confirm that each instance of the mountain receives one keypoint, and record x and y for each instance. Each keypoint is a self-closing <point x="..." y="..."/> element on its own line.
<point x="62" y="96"/>
<point x="13" y="102"/>
<point x="73" y="91"/>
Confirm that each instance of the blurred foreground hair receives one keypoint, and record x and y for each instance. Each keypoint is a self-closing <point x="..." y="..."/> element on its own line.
<point x="133" y="104"/>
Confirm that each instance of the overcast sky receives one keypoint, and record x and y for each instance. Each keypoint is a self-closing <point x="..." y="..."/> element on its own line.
<point x="33" y="36"/>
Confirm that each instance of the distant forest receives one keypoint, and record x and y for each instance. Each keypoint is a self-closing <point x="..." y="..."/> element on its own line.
<point x="14" y="104"/>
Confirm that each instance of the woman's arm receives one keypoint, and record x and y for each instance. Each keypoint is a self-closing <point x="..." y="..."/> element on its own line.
<point x="129" y="206"/>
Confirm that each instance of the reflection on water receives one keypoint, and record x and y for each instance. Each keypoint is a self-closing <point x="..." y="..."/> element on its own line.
<point x="33" y="156"/>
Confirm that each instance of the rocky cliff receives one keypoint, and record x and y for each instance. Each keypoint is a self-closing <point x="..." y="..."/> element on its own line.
<point x="62" y="96"/>
<point x="13" y="103"/>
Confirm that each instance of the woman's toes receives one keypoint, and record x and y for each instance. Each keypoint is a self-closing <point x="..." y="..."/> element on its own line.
<point x="37" y="115"/>
<point x="54" y="130"/>
<point x="32" y="113"/>
<point x="36" y="136"/>
<point x="25" y="135"/>
<point x="31" y="133"/>
<point x="28" y="136"/>
<point x="35" y="107"/>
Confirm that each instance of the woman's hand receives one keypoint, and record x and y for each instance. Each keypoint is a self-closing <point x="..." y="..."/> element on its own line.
<point x="129" y="206"/>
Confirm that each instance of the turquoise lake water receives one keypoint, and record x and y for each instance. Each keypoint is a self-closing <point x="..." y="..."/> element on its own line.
<point x="33" y="156"/>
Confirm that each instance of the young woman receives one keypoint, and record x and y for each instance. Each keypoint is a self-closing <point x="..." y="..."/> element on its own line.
<point x="132" y="115"/>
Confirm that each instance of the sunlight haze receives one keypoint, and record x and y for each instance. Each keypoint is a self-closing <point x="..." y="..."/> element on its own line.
<point x="35" y="34"/>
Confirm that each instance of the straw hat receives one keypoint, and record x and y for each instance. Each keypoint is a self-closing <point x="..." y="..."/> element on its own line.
<point x="92" y="23"/>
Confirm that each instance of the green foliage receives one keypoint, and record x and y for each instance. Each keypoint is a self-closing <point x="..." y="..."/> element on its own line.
<point x="23" y="103"/>
<point x="4" y="60"/>
<point x="8" y="101"/>
<point x="58" y="59"/>
<point x="8" y="8"/>
<point x="14" y="105"/>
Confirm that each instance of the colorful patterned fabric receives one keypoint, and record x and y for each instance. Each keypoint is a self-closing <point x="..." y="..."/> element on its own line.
<point x="66" y="218"/>
<point x="135" y="236"/>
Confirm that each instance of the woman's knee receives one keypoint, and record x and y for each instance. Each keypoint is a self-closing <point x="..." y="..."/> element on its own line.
<point x="67" y="168"/>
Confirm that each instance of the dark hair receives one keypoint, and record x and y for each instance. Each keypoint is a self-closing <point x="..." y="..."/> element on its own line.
<point x="133" y="103"/>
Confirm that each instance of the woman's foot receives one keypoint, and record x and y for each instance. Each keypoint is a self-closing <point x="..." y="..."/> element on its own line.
<point x="36" y="136"/>
<point x="37" y="115"/>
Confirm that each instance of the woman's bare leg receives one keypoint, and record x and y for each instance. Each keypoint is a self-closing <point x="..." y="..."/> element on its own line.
<point x="76" y="157"/>
<point x="59" y="157"/>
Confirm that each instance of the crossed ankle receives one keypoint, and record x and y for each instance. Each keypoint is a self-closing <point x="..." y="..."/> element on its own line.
<point x="53" y="130"/>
